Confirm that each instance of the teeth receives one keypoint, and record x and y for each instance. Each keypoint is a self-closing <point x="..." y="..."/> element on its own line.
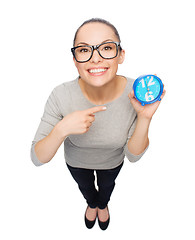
<point x="97" y="70"/>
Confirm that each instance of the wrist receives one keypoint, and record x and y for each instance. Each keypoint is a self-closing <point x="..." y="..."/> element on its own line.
<point x="143" y="120"/>
<point x="60" y="133"/>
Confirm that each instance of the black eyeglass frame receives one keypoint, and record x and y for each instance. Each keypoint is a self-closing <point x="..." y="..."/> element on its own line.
<point x="95" y="47"/>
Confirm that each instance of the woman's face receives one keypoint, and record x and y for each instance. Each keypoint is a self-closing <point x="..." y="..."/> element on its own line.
<point x="94" y="34"/>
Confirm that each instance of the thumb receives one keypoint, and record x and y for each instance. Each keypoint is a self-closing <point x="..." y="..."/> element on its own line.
<point x="95" y="109"/>
<point x="131" y="95"/>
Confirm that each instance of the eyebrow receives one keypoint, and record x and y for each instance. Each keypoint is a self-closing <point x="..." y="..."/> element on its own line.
<point x="84" y="43"/>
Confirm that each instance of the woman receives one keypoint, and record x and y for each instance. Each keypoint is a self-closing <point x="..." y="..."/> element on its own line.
<point x="97" y="117"/>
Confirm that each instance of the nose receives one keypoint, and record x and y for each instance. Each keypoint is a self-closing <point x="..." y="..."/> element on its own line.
<point x="96" y="58"/>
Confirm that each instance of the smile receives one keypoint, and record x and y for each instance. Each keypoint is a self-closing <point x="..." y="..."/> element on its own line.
<point x="97" y="70"/>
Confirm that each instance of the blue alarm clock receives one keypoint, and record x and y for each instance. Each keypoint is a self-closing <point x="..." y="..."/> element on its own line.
<point x="148" y="89"/>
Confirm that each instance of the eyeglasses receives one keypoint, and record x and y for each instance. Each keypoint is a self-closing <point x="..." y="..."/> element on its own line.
<point x="106" y="50"/>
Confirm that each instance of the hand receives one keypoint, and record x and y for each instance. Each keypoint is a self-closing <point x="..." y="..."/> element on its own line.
<point x="146" y="111"/>
<point x="78" y="122"/>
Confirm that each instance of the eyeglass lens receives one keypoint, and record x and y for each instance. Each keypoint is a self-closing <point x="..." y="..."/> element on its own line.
<point x="106" y="50"/>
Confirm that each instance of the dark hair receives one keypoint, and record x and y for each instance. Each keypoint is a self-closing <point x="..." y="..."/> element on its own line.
<point x="98" y="20"/>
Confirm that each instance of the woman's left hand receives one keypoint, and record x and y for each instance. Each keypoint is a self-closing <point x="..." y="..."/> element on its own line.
<point x="146" y="111"/>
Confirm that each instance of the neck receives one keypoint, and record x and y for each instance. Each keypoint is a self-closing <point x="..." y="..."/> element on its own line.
<point x="103" y="94"/>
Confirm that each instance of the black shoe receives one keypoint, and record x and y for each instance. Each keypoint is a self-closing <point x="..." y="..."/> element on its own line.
<point x="104" y="225"/>
<point x="89" y="224"/>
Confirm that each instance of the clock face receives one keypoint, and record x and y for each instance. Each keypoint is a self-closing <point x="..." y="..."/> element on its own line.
<point x="148" y="89"/>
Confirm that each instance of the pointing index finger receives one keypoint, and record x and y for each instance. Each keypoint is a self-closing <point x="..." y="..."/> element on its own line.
<point x="95" y="109"/>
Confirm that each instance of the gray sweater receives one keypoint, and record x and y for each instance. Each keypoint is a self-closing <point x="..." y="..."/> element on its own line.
<point x="104" y="146"/>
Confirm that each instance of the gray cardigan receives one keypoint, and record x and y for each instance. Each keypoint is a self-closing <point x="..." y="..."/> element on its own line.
<point x="104" y="146"/>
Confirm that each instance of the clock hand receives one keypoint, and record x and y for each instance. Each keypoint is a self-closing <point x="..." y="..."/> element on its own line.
<point x="147" y="86"/>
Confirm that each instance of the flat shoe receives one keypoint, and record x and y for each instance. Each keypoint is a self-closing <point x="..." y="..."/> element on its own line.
<point x="89" y="224"/>
<point x="104" y="225"/>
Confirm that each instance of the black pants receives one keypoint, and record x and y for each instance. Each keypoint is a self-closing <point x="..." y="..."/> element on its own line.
<point x="105" y="182"/>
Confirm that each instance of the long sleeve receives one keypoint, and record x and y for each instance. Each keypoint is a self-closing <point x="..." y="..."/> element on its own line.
<point x="128" y="154"/>
<point x="50" y="118"/>
<point x="105" y="145"/>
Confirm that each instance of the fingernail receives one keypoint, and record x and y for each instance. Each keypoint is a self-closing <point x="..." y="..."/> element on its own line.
<point x="104" y="108"/>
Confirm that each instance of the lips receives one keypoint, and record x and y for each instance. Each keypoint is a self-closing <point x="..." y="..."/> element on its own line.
<point x="97" y="71"/>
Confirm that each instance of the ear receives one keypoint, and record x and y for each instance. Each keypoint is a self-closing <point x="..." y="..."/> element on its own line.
<point x="121" y="56"/>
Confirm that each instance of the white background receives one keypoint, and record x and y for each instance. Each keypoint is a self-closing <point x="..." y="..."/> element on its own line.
<point x="154" y="198"/>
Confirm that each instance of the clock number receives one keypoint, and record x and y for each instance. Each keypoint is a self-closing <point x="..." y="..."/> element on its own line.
<point x="143" y="83"/>
<point x="150" y="83"/>
<point x="149" y="96"/>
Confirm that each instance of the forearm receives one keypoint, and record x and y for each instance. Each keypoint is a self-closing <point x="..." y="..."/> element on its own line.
<point x="139" y="140"/>
<point x="46" y="148"/>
